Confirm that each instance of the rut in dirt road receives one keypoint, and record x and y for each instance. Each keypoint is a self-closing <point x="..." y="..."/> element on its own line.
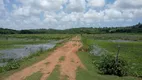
<point x="68" y="67"/>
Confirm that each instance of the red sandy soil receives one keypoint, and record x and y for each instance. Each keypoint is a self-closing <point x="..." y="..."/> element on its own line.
<point x="68" y="66"/>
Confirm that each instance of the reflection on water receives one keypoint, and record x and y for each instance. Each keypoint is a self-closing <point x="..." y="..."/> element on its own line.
<point x="22" y="52"/>
<point x="27" y="50"/>
<point x="97" y="51"/>
<point x="121" y="41"/>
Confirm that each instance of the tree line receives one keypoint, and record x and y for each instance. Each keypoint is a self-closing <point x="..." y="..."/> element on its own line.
<point x="128" y="29"/>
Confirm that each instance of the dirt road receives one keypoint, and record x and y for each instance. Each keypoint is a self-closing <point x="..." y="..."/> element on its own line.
<point x="67" y="67"/>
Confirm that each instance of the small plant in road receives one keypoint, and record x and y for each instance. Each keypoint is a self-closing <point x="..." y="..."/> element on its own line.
<point x="62" y="58"/>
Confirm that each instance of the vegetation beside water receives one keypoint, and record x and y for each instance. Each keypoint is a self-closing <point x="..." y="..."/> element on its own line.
<point x="8" y="44"/>
<point x="115" y="36"/>
<point x="27" y="61"/>
<point x="129" y="51"/>
<point x="15" y="40"/>
<point x="37" y="36"/>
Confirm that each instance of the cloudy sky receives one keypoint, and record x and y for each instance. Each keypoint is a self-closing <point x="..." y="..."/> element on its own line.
<point x="63" y="14"/>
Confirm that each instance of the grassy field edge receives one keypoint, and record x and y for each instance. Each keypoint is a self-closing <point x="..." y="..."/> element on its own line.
<point x="92" y="72"/>
<point x="32" y="60"/>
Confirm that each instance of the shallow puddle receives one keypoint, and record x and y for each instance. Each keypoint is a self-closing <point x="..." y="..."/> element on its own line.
<point x="25" y="51"/>
<point x="121" y="41"/>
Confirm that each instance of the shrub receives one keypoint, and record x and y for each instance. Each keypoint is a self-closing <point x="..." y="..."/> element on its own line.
<point x="10" y="66"/>
<point x="108" y="65"/>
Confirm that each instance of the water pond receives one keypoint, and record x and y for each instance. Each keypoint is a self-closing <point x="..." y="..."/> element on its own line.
<point x="25" y="51"/>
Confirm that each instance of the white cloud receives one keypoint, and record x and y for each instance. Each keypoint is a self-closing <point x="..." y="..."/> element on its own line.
<point x="96" y="3"/>
<point x="50" y="19"/>
<point x="26" y="11"/>
<point x="69" y="13"/>
<point x="73" y="17"/>
<point x="138" y="13"/>
<point x="22" y="11"/>
<point x="113" y="14"/>
<point x="76" y="6"/>
<point x="125" y="9"/>
<point x="127" y="4"/>
<point x="94" y="15"/>
<point x="50" y="5"/>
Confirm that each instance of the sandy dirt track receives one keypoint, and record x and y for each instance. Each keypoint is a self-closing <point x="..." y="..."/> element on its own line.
<point x="68" y="67"/>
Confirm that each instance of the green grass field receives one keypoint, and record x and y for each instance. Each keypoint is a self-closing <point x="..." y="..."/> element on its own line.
<point x="13" y="40"/>
<point x="34" y="76"/>
<point x="115" y="36"/>
<point x="130" y="51"/>
<point x="92" y="73"/>
<point x="9" y="43"/>
<point x="37" y="36"/>
<point x="55" y="75"/>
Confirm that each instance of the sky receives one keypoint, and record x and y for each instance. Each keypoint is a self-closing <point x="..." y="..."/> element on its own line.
<point x="64" y="14"/>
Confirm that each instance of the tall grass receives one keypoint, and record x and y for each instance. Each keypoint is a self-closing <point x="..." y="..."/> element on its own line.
<point x="133" y="37"/>
<point x="38" y="36"/>
<point x="33" y="58"/>
<point x="14" y="40"/>
<point x="129" y="51"/>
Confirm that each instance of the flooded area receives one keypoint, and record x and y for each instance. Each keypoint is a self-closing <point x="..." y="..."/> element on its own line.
<point x="25" y="51"/>
<point x="97" y="51"/>
<point x="22" y="52"/>
<point x="121" y="41"/>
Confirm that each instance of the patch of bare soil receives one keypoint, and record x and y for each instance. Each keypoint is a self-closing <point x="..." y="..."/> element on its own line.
<point x="68" y="66"/>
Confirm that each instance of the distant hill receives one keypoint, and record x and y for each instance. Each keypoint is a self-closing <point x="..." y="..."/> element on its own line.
<point x="8" y="31"/>
<point x="128" y="29"/>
